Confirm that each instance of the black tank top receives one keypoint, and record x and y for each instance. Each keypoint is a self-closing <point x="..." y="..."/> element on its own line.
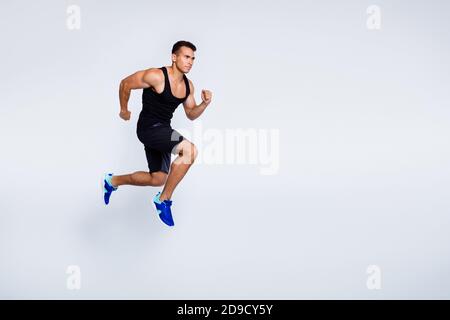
<point x="159" y="107"/>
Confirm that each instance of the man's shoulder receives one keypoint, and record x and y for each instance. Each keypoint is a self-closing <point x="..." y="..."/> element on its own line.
<point x="191" y="84"/>
<point x="154" y="71"/>
<point x="153" y="75"/>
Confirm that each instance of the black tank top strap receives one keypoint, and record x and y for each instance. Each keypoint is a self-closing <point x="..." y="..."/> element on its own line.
<point x="188" y="90"/>
<point x="166" y="78"/>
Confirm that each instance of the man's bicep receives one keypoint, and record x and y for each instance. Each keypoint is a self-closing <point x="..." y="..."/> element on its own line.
<point x="135" y="81"/>
<point x="189" y="103"/>
<point x="141" y="79"/>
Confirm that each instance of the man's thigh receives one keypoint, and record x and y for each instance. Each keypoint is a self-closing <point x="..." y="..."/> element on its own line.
<point x="157" y="160"/>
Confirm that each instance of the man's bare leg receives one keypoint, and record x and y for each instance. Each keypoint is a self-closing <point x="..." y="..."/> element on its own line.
<point x="140" y="178"/>
<point x="187" y="153"/>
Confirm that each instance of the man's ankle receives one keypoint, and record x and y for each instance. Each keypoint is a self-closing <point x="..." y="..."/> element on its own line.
<point x="113" y="182"/>
<point x="163" y="197"/>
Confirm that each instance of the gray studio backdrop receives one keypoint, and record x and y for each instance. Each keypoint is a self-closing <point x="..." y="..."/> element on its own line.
<point x="344" y="107"/>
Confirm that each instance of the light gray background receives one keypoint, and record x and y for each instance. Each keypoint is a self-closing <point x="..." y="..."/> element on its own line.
<point x="364" y="156"/>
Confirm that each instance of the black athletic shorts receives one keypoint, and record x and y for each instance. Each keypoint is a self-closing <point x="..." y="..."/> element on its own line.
<point x="159" y="141"/>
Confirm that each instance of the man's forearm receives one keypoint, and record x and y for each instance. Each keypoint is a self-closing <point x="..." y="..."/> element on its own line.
<point x="124" y="96"/>
<point x="197" y="111"/>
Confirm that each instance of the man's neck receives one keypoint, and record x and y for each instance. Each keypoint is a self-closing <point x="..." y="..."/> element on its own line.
<point x="176" y="74"/>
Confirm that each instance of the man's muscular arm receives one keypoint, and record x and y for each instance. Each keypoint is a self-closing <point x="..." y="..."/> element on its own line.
<point x="138" y="80"/>
<point x="192" y="110"/>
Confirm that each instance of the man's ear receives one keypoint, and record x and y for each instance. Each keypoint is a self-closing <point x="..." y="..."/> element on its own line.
<point x="174" y="57"/>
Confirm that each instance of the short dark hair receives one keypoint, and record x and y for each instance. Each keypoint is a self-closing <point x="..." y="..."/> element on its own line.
<point x="182" y="43"/>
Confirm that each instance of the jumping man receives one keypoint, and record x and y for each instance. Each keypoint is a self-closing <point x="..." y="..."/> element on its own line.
<point x="164" y="89"/>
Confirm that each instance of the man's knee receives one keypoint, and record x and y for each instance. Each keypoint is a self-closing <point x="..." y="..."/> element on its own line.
<point x="158" y="178"/>
<point x="194" y="153"/>
<point x="188" y="151"/>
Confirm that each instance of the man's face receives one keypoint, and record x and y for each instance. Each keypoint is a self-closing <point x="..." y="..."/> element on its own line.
<point x="184" y="59"/>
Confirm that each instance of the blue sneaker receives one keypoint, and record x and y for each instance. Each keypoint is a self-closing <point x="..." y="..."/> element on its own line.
<point x="163" y="210"/>
<point x="108" y="188"/>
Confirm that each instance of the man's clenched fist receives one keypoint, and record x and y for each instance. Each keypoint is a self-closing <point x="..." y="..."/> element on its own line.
<point x="125" y="115"/>
<point x="206" y="96"/>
